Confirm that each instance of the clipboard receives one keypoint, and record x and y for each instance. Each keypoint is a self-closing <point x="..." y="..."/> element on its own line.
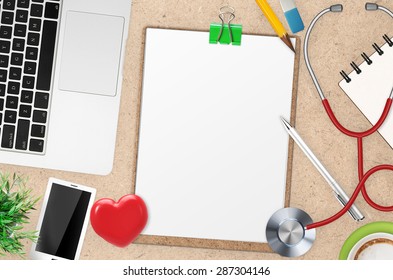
<point x="152" y="131"/>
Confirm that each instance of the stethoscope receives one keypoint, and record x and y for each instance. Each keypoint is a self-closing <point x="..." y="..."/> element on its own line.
<point x="290" y="232"/>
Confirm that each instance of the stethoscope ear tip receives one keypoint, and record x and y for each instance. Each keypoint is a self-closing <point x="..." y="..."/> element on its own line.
<point x="286" y="233"/>
<point x="371" y="6"/>
<point x="336" y="8"/>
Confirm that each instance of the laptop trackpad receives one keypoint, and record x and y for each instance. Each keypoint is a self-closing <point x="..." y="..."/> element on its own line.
<point x="90" y="58"/>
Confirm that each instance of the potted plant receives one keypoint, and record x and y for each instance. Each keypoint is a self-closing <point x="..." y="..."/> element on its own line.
<point x="16" y="203"/>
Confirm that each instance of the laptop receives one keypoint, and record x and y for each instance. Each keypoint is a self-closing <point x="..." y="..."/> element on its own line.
<point x="61" y="67"/>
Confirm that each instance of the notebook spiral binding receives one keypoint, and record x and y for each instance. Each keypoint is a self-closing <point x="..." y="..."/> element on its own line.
<point x="366" y="58"/>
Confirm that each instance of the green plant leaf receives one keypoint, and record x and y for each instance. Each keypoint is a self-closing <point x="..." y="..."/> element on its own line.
<point x="16" y="202"/>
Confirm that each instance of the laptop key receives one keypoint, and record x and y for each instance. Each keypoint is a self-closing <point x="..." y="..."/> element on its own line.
<point x="15" y="73"/>
<point x="9" y="5"/>
<point x="52" y="10"/>
<point x="1" y="104"/>
<point x="36" y="10"/>
<point x="38" y="130"/>
<point x="7" y="18"/>
<point x="41" y="100"/>
<point x="5" y="32"/>
<point x="36" y="145"/>
<point x="7" y="140"/>
<point x="18" y="45"/>
<point x="13" y="88"/>
<point x="39" y="116"/>
<point x="21" y="16"/>
<point x="10" y="116"/>
<point x="30" y="67"/>
<point x="45" y="63"/>
<point x="4" y="61"/>
<point x="31" y="53"/>
<point x="33" y="39"/>
<point x="12" y="102"/>
<point x="35" y="24"/>
<point x="5" y="46"/>
<point x="17" y="59"/>
<point x="22" y="134"/>
<point x="28" y="82"/>
<point x="23" y="3"/>
<point x="20" y="30"/>
<point x="26" y="96"/>
<point x="25" y="111"/>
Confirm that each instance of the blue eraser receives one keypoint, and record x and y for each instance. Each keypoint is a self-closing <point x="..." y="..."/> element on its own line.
<point x="292" y="15"/>
<point x="294" y="20"/>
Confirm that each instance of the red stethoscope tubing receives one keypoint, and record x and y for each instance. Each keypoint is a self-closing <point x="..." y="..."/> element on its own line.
<point x="362" y="177"/>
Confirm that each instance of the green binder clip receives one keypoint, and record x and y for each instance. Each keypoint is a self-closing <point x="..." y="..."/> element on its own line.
<point x="226" y="33"/>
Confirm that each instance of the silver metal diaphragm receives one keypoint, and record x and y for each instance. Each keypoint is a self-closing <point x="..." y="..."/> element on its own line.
<point x="286" y="234"/>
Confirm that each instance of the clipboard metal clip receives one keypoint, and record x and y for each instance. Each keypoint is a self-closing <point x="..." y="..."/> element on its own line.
<point x="225" y="32"/>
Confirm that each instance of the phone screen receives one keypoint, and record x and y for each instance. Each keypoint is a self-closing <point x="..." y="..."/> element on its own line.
<point x="63" y="221"/>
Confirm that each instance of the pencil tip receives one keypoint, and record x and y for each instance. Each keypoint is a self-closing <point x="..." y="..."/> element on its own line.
<point x="285" y="38"/>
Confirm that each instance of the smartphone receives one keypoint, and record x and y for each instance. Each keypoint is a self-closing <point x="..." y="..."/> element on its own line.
<point x="63" y="221"/>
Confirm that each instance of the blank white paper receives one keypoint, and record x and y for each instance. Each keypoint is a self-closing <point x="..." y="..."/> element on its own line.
<point x="212" y="151"/>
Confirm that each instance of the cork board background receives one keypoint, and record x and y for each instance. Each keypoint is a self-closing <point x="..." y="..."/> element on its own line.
<point x="337" y="40"/>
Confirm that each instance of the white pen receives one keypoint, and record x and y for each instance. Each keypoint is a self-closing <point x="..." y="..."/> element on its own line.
<point x="339" y="193"/>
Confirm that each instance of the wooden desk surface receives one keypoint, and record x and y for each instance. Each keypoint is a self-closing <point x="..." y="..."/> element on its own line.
<point x="337" y="40"/>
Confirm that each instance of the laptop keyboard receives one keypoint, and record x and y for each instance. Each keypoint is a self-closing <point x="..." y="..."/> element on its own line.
<point x="28" y="35"/>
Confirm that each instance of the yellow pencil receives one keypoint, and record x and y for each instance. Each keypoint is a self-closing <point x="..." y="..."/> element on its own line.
<point x="275" y="22"/>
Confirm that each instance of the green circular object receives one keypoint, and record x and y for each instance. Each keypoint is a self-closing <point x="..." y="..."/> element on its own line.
<point x="377" y="227"/>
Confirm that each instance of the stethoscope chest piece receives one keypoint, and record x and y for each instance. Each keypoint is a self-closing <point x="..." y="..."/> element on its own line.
<point x="286" y="233"/>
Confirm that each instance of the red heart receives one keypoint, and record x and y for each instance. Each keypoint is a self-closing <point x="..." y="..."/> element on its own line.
<point x="119" y="222"/>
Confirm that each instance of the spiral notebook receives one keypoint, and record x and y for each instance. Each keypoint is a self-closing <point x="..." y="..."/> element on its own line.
<point x="370" y="84"/>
